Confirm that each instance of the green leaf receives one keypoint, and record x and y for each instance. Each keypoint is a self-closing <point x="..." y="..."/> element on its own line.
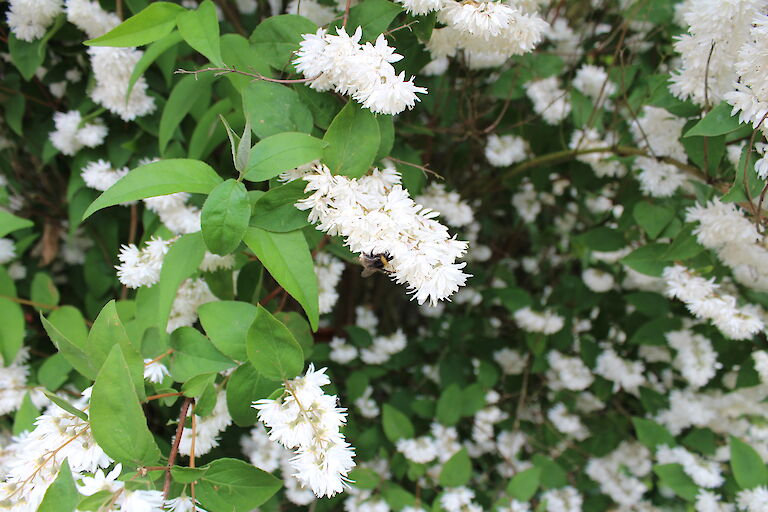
<point x="553" y="475"/>
<point x="44" y="291"/>
<point x="60" y="332"/>
<point x="745" y="170"/>
<point x="11" y="330"/>
<point x="237" y="52"/>
<point x="287" y="258"/>
<point x="374" y="16"/>
<point x="200" y="29"/>
<point x="65" y="405"/>
<point x="717" y="122"/>
<point x="25" y="416"/>
<point x="183" y="97"/>
<point x="396" y="424"/>
<point x="684" y="246"/>
<point x="647" y="259"/>
<point x="386" y="136"/>
<point x="365" y="478"/>
<point x="272" y="349"/>
<point x="652" y="218"/>
<point x="224" y="217"/>
<point x="748" y="467"/>
<point x="457" y="470"/>
<point x="10" y="223"/>
<point x="154" y="22"/>
<point x="273" y="108"/>
<point x="194" y="354"/>
<point x="353" y="141"/>
<point x="234" y="486"/>
<point x="245" y="386"/>
<point x="198" y="385"/>
<point x="275" y="210"/>
<point x="208" y="133"/>
<point x="651" y="434"/>
<point x="27" y="57"/>
<point x="150" y="55"/>
<point x="61" y="495"/>
<point x="602" y="239"/>
<point x="281" y="152"/>
<point x="673" y="476"/>
<point x="448" y="412"/>
<point x="277" y="37"/>
<point x="157" y="179"/>
<point x="108" y="331"/>
<point x="117" y="420"/>
<point x="524" y="485"/>
<point x="226" y="323"/>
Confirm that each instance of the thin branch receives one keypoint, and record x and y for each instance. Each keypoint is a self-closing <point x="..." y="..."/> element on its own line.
<point x="270" y="296"/>
<point x="346" y="13"/>
<point x="29" y="302"/>
<point x="257" y="76"/>
<point x="175" y="448"/>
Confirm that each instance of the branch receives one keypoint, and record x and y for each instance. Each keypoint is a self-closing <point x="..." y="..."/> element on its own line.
<point x="175" y="448"/>
<point x="257" y="76"/>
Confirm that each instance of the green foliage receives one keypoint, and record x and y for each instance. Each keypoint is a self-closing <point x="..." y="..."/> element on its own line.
<point x="200" y="30"/>
<point x="457" y="470"/>
<point x="748" y="467"/>
<point x="61" y="495"/>
<point x="396" y="424"/>
<point x="225" y="215"/>
<point x="275" y="154"/>
<point x="272" y="349"/>
<point x="154" y="22"/>
<point x="233" y="485"/>
<point x="352" y="140"/>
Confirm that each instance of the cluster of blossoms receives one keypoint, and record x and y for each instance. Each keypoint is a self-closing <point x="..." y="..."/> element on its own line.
<point x="306" y="420"/>
<point x="488" y="33"/>
<point x="706" y="299"/>
<point x="328" y="271"/>
<point x="72" y="133"/>
<point x="364" y="72"/>
<point x="376" y="216"/>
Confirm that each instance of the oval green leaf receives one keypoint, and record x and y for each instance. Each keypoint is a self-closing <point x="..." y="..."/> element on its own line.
<point x="224" y="217"/>
<point x="200" y="29"/>
<point x="272" y="349"/>
<point x="353" y="141"/>
<point x="281" y="152"/>
<point x="152" y="23"/>
<point x="157" y="179"/>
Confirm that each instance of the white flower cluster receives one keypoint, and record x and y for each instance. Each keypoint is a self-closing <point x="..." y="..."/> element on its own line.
<point x="724" y="229"/>
<point x="593" y="82"/>
<point x="597" y="280"/>
<point x="452" y="208"/>
<point x="709" y="51"/>
<point x="365" y="72"/>
<point x="29" y="19"/>
<point x="704" y="473"/>
<point x="13" y="384"/>
<point x="307" y="420"/>
<point x="33" y="460"/>
<point x="511" y="361"/>
<point x="318" y="13"/>
<point x="440" y="445"/>
<point x="100" y="175"/>
<point x="382" y="348"/>
<point x="328" y="271"/>
<point x="567" y="423"/>
<point x="549" y="100"/>
<point x="459" y="499"/>
<point x="505" y="150"/>
<point x="72" y="134"/>
<point x="545" y="322"/>
<point x="565" y="499"/>
<point x="112" y="67"/>
<point x="750" y="95"/>
<point x="704" y="299"/>
<point x="375" y="215"/>
<point x="489" y="33"/>
<point x="192" y="294"/>
<point x="141" y="267"/>
<point x="620" y="472"/>
<point x="567" y="372"/>
<point x="696" y="359"/>
<point x="207" y="429"/>
<point x="7" y="250"/>
<point x="624" y="373"/>
<point x="175" y="213"/>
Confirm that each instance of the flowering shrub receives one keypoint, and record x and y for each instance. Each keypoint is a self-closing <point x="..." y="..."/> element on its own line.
<point x="370" y="255"/>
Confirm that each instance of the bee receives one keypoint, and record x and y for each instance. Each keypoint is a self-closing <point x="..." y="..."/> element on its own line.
<point x="372" y="263"/>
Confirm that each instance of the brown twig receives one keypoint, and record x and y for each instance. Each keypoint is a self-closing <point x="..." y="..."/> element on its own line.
<point x="271" y="295"/>
<point x="163" y="395"/>
<point x="346" y="13"/>
<point x="29" y="302"/>
<point x="257" y="76"/>
<point x="175" y="448"/>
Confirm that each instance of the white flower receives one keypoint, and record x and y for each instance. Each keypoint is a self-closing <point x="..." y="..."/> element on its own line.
<point x="100" y="175"/>
<point x="29" y="19"/>
<point x="421" y="7"/>
<point x="593" y="82"/>
<point x="566" y="372"/>
<point x="69" y="136"/>
<point x="597" y="280"/>
<point x="753" y="500"/>
<point x="365" y="72"/>
<point x="155" y="371"/>
<point x="181" y="218"/>
<point x="505" y="150"/>
<point x="704" y="473"/>
<point x="455" y="211"/>
<point x="545" y="322"/>
<point x="328" y="271"/>
<point x="696" y="359"/>
<point x="141" y="267"/>
<point x="565" y="499"/>
<point x="112" y="68"/>
<point x="316" y="12"/>
<point x="183" y="504"/>
<point x="510" y="361"/>
<point x="207" y="429"/>
<point x="7" y="250"/>
<point x="307" y="420"/>
<point x="375" y="216"/>
<point x="142" y="501"/>
<point x="623" y="373"/>
<point x="420" y="450"/>
<point x="192" y="294"/>
<point x="549" y="100"/>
